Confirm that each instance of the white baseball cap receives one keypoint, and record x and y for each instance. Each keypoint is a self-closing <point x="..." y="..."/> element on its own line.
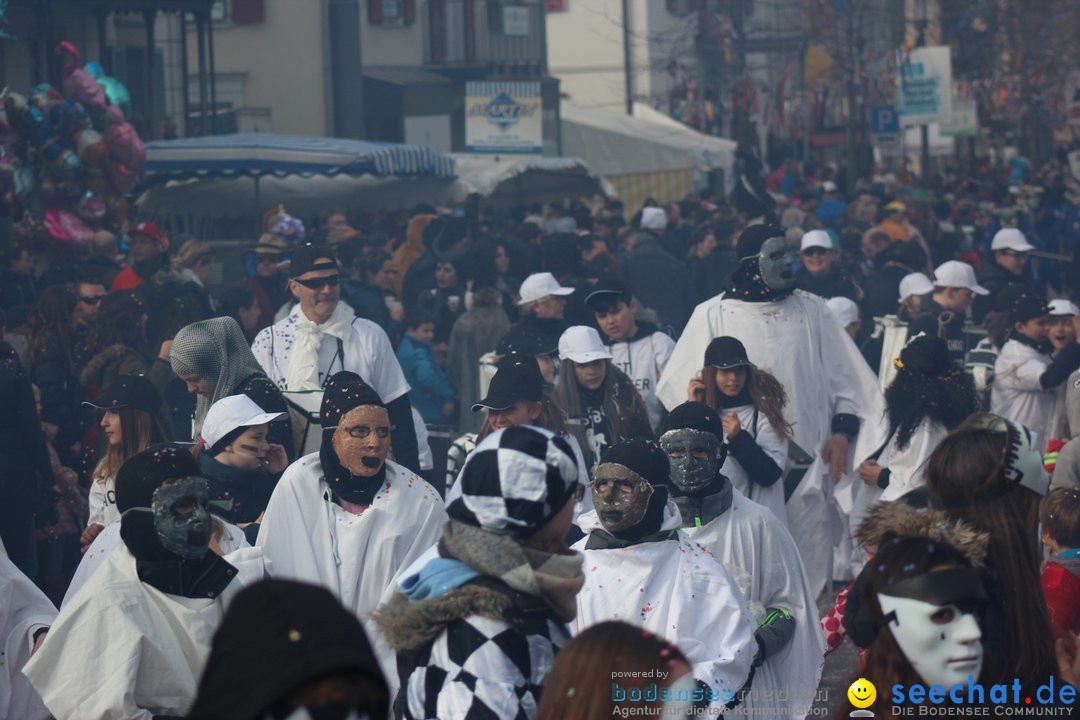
<point x="233" y="412"/>
<point x="538" y="286"/>
<point x="815" y="238"/>
<point x="653" y="218"/>
<point x="845" y="310"/>
<point x="582" y="344"/>
<point x="828" y="186"/>
<point x="1061" y="306"/>
<point x="915" y="284"/>
<point x="1010" y="239"/>
<point x="954" y="273"/>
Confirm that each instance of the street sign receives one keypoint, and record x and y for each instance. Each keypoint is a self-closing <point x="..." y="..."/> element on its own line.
<point x="884" y="120"/>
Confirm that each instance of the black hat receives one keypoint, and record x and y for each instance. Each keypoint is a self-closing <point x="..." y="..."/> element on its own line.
<point x="609" y="289"/>
<point x="529" y="342"/>
<point x="277" y="637"/>
<point x="306" y="258"/>
<point x="1028" y="307"/>
<point x="133" y="391"/>
<point x="643" y="457"/>
<point x="726" y="352"/>
<point x="753" y="237"/>
<point x="144" y="472"/>
<point x="518" y="378"/>
<point x="343" y="392"/>
<point x="926" y="355"/>
<point x="696" y="416"/>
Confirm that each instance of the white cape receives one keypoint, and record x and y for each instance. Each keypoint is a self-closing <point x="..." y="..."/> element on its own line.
<point x="308" y="537"/>
<point x="677" y="590"/>
<point x="23" y="611"/>
<point x="237" y="551"/>
<point x="750" y="538"/>
<point x="801" y="342"/>
<point x="123" y="650"/>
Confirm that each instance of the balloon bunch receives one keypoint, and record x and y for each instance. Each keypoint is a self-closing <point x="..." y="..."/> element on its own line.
<point x="68" y="157"/>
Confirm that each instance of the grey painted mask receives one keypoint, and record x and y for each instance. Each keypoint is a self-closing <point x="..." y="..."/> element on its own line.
<point x="181" y="519"/>
<point x="776" y="261"/>
<point x="695" y="458"/>
<point x="620" y="495"/>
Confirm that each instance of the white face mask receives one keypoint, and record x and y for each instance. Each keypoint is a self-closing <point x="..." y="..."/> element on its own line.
<point x="942" y="642"/>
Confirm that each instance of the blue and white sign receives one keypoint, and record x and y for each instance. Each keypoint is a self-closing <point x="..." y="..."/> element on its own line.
<point x="503" y="117"/>
<point x="884" y="120"/>
<point x="926" y="86"/>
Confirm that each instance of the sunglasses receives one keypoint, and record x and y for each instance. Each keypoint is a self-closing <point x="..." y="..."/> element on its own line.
<point x="91" y="299"/>
<point x="815" y="251"/>
<point x="319" y="283"/>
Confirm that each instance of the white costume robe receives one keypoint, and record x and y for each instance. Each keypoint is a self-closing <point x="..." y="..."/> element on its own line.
<point x="774" y="446"/>
<point x="308" y="537"/>
<point x="1017" y="394"/>
<point x="124" y="650"/>
<point x="801" y="342"/>
<point x="677" y="590"/>
<point x="235" y="548"/>
<point x="749" y="537"/>
<point x="23" y="611"/>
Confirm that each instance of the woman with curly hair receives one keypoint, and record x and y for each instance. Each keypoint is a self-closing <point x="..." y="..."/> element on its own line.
<point x="751" y="403"/>
<point x="926" y="399"/>
<point x="602" y="406"/>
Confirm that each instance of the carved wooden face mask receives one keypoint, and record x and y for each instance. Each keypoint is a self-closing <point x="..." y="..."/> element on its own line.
<point x="620" y="495"/>
<point x="362" y="440"/>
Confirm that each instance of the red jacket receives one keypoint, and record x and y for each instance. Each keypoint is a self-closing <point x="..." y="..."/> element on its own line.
<point x="1061" y="587"/>
<point x="127" y="279"/>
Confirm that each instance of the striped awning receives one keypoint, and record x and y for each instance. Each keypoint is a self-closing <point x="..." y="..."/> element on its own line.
<point x="663" y="187"/>
<point x="260" y="153"/>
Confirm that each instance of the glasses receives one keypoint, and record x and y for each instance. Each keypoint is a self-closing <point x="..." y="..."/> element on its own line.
<point x="815" y="251"/>
<point x="362" y="431"/>
<point x="91" y="299"/>
<point x="320" y="283"/>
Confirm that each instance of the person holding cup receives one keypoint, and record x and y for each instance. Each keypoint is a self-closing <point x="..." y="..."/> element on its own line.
<point x="447" y="300"/>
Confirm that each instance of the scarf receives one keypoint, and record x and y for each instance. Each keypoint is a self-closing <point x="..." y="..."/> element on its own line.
<point x="554" y="578"/>
<point x="706" y="505"/>
<point x="740" y="400"/>
<point x="303" y="370"/>
<point x="747" y="284"/>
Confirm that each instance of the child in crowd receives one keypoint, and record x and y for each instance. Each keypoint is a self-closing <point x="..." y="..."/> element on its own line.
<point x="1059" y="515"/>
<point x="847" y="313"/>
<point x="640" y="349"/>
<point x="432" y="392"/>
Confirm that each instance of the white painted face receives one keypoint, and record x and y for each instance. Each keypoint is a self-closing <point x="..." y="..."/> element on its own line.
<point x="943" y="643"/>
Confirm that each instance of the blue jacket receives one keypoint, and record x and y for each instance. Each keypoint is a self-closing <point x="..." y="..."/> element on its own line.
<point x="431" y="388"/>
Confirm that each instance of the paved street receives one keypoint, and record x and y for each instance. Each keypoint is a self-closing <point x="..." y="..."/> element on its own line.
<point x="839" y="666"/>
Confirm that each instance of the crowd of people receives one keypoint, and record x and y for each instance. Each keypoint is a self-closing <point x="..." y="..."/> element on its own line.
<point x="674" y="431"/>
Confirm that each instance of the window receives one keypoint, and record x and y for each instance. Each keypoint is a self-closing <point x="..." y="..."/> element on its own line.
<point x="392" y="13"/>
<point x="245" y="12"/>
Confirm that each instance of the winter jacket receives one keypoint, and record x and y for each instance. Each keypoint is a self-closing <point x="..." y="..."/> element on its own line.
<point x="368" y="302"/>
<point x="643" y="358"/>
<point x="101" y="369"/>
<point x="238" y="495"/>
<point x="1061" y="587"/>
<point x="431" y="389"/>
<point x="883" y="284"/>
<point x="996" y="279"/>
<point x="659" y="281"/>
<point x="1023" y="389"/>
<point x="835" y="283"/>
<point x="928" y="321"/>
<point x="61" y="394"/>
<point x="481" y="650"/>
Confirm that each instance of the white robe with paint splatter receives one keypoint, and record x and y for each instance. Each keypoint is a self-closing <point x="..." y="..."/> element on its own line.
<point x="677" y="590"/>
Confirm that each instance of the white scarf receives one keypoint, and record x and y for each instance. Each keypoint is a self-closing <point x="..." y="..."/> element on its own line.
<point x="303" y="370"/>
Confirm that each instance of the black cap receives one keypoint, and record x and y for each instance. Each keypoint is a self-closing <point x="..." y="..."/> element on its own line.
<point x="528" y="342"/>
<point x="1027" y="307"/>
<point x="696" y="416"/>
<point x="343" y="392"/>
<point x="133" y="391"/>
<point x="726" y="352"/>
<point x="144" y="472"/>
<point x="518" y="379"/>
<point x="306" y="258"/>
<point x="609" y="289"/>
<point x="643" y="457"/>
<point x="753" y="237"/>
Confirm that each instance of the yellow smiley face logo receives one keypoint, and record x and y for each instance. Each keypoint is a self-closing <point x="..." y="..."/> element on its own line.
<point x="862" y="693"/>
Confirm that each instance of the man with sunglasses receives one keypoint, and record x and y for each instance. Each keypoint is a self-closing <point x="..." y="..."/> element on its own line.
<point x="322" y="336"/>
<point x="820" y="274"/>
<point x="1010" y="249"/>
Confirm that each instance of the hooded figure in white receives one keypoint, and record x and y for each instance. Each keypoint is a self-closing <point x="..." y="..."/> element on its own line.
<point x="132" y="644"/>
<point x="346" y="517"/>
<point x="758" y="550"/>
<point x="640" y="568"/>
<point x="834" y="395"/>
<point x="25" y="613"/>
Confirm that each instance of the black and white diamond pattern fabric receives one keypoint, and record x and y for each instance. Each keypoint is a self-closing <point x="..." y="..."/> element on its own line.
<point x="514" y="481"/>
<point x="457" y="678"/>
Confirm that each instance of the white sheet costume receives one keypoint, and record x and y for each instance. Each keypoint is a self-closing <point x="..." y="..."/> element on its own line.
<point x="140" y="651"/>
<point x="1017" y="394"/>
<point x="23" y="611"/>
<point x="774" y="446"/>
<point x="676" y="589"/>
<point x="749" y="537"/>
<point x="798" y="340"/>
<point x="306" y="536"/>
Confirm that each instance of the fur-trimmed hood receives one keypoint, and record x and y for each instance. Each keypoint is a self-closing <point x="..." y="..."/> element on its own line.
<point x="408" y="625"/>
<point x="118" y="359"/>
<point x="899" y="518"/>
